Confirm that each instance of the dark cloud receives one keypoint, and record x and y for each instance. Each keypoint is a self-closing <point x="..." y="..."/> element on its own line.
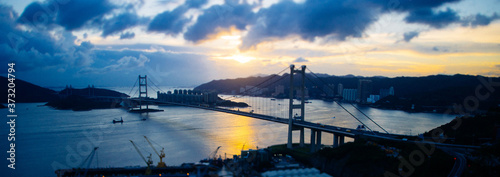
<point x="77" y="13"/>
<point x="169" y="22"/>
<point x="410" y="35"/>
<point x="69" y="14"/>
<point x="300" y="60"/>
<point x="479" y="20"/>
<point x="39" y="49"/>
<point x="127" y="35"/>
<point x="195" y="3"/>
<point x="121" y="22"/>
<point x="220" y="17"/>
<point x="438" y="19"/>
<point x="411" y="5"/>
<point x="310" y="20"/>
<point x="37" y="14"/>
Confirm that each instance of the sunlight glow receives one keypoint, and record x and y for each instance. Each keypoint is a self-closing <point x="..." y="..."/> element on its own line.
<point x="230" y="37"/>
<point x="239" y="58"/>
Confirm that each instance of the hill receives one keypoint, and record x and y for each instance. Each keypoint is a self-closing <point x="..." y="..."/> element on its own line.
<point x="426" y="93"/>
<point x="27" y="92"/>
<point x="87" y="99"/>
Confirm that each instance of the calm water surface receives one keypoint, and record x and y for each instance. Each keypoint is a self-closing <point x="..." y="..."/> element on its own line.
<point x="47" y="139"/>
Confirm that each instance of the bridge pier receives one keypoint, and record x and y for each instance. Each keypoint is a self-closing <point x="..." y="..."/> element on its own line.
<point x="338" y="140"/>
<point x="302" y="137"/>
<point x="335" y="140"/>
<point x="313" y="140"/>
<point x="318" y="141"/>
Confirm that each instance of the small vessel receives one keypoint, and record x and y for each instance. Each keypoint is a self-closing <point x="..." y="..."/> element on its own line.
<point x="118" y="121"/>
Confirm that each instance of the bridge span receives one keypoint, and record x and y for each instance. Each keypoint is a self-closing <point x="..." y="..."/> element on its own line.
<point x="297" y="121"/>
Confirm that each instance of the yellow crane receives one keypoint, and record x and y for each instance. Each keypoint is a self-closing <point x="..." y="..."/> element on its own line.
<point x="149" y="162"/>
<point x="161" y="155"/>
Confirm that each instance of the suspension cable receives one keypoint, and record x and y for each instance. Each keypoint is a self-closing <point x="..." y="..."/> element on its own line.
<point x="342" y="107"/>
<point x="133" y="86"/>
<point x="256" y="87"/>
<point x="159" y="89"/>
<point x="350" y="103"/>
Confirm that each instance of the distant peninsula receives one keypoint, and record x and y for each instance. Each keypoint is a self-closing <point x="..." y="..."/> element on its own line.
<point x="69" y="98"/>
<point x="87" y="99"/>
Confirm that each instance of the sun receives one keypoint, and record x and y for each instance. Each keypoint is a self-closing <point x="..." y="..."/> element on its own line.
<point x="240" y="58"/>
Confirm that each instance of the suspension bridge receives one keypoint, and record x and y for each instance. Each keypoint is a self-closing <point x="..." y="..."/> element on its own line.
<point x="289" y="112"/>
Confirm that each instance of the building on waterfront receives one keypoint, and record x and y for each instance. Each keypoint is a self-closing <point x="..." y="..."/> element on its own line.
<point x="364" y="90"/>
<point x="386" y="92"/>
<point x="279" y="90"/>
<point x="350" y="95"/>
<point x="373" y="99"/>
<point x="383" y="93"/>
<point x="188" y="97"/>
<point x="340" y="90"/>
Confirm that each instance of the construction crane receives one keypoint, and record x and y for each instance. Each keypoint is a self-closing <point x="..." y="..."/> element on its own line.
<point x="213" y="155"/>
<point x="161" y="155"/>
<point x="91" y="157"/>
<point x="149" y="162"/>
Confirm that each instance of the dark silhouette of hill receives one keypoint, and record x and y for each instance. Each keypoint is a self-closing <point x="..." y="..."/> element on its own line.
<point x="425" y="93"/>
<point x="90" y="91"/>
<point x="87" y="99"/>
<point x="27" y="92"/>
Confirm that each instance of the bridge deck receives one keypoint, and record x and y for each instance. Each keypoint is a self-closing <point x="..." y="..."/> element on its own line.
<point x="349" y="132"/>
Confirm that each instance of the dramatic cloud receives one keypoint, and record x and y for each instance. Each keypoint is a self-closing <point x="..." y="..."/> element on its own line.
<point x="310" y="20"/>
<point x="220" y="17"/>
<point x="76" y="13"/>
<point x="438" y="19"/>
<point x="124" y="63"/>
<point x="38" y="49"/>
<point x="479" y="20"/>
<point x="195" y="3"/>
<point x="38" y="14"/>
<point x="409" y="5"/>
<point x="121" y="22"/>
<point x="127" y="35"/>
<point x="300" y="60"/>
<point x="410" y="35"/>
<point x="169" y="22"/>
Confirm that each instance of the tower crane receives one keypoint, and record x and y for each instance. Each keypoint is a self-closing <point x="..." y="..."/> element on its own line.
<point x="161" y="155"/>
<point x="149" y="162"/>
<point x="213" y="155"/>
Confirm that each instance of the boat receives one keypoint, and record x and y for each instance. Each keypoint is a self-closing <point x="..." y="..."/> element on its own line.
<point x="118" y="121"/>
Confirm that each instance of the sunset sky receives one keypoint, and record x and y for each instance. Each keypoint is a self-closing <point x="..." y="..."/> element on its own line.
<point x="189" y="42"/>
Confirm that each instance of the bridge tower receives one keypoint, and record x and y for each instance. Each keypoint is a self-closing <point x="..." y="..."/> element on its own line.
<point x="291" y="116"/>
<point x="143" y="90"/>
